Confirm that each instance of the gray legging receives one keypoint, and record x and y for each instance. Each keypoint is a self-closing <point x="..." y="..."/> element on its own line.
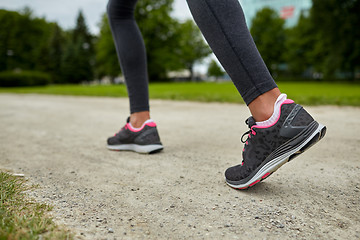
<point x="223" y="25"/>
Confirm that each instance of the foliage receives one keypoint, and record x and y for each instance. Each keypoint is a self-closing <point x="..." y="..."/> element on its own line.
<point x="159" y="31"/>
<point x="325" y="42"/>
<point x="30" y="43"/>
<point x="170" y="45"/>
<point x="23" y="41"/>
<point x="215" y="70"/>
<point x="191" y="47"/>
<point x="78" y="56"/>
<point x="22" y="218"/>
<point x="72" y="57"/>
<point x="336" y="22"/>
<point x="268" y="32"/>
<point x="107" y="63"/>
<point x="55" y="54"/>
<point x="300" y="45"/>
<point x="23" y="78"/>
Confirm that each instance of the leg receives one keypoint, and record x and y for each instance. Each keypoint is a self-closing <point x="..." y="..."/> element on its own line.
<point x="279" y="128"/>
<point x="139" y="133"/>
<point x="223" y="25"/>
<point x="132" y="56"/>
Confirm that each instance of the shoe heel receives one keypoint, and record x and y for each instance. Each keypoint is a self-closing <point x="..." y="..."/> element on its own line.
<point x="314" y="140"/>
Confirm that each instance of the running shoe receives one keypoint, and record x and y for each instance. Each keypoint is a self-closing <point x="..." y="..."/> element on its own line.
<point x="141" y="140"/>
<point x="269" y="147"/>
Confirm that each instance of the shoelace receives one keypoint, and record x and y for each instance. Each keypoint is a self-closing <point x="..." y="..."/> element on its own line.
<point x="250" y="122"/>
<point x="247" y="133"/>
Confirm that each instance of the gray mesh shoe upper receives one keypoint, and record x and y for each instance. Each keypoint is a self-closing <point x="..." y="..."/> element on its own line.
<point x="147" y="135"/>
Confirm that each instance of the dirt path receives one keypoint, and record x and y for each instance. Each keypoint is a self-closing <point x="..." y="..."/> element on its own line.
<point x="59" y="143"/>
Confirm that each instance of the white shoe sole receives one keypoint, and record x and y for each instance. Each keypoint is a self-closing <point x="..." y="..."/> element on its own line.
<point x="136" y="148"/>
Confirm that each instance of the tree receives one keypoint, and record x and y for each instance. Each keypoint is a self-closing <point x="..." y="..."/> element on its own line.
<point x="336" y="24"/>
<point x="23" y="40"/>
<point x="78" y="60"/>
<point x="56" y="54"/>
<point x="107" y="63"/>
<point x="215" y="70"/>
<point x="268" y="31"/>
<point x="161" y="38"/>
<point x="300" y="45"/>
<point x="192" y="47"/>
<point x="8" y="31"/>
<point x="170" y="45"/>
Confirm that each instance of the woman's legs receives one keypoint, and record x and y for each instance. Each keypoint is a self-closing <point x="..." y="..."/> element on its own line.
<point x="132" y="56"/>
<point x="223" y="25"/>
<point x="289" y="130"/>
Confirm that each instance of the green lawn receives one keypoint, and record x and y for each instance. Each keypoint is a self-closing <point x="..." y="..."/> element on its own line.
<point x="308" y="93"/>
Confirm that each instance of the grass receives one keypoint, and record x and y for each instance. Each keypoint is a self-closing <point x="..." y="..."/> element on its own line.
<point x="307" y="93"/>
<point x="22" y="218"/>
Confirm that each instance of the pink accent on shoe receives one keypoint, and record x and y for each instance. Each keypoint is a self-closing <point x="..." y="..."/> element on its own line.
<point x="266" y="175"/>
<point x="287" y="101"/>
<point x="254" y="183"/>
<point x="150" y="124"/>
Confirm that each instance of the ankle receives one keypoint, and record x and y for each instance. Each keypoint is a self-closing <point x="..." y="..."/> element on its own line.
<point x="137" y="119"/>
<point x="262" y="107"/>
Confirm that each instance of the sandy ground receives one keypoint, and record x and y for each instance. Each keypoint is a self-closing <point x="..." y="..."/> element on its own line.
<point x="59" y="143"/>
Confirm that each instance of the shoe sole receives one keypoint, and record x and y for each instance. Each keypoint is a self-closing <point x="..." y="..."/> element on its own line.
<point x="152" y="148"/>
<point x="271" y="166"/>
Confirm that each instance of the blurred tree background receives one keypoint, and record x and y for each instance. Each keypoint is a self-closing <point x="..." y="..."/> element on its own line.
<point x="268" y="32"/>
<point x="214" y="70"/>
<point x="325" y="44"/>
